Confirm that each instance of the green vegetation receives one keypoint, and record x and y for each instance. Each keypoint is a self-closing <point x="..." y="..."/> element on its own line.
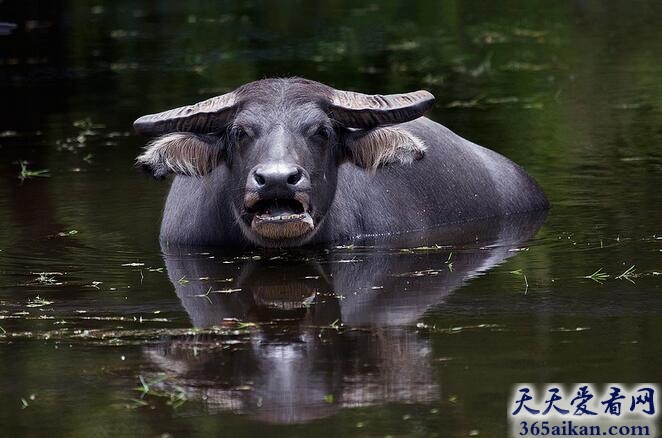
<point x="26" y="173"/>
<point x="598" y="276"/>
<point x="520" y="273"/>
<point x="157" y="388"/>
<point x="627" y="274"/>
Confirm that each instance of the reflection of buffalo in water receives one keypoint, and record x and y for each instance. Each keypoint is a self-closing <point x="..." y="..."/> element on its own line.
<point x="296" y="365"/>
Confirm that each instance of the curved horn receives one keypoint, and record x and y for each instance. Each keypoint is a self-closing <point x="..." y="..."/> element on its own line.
<point x="357" y="110"/>
<point x="202" y="118"/>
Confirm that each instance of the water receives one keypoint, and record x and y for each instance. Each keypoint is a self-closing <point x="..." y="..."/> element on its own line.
<point x="420" y="335"/>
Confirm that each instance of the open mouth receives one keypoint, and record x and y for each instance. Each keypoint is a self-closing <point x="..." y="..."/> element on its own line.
<point x="280" y="218"/>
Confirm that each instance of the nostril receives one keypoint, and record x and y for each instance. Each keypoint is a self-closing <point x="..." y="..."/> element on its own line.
<point x="295" y="177"/>
<point x="259" y="179"/>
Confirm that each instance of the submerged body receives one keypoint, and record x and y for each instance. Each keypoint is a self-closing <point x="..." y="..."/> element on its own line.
<point x="288" y="162"/>
<point x="456" y="181"/>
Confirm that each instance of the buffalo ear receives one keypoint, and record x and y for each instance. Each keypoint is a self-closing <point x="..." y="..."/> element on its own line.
<point x="181" y="153"/>
<point x="383" y="146"/>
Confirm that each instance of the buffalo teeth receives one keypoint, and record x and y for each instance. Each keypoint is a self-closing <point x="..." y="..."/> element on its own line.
<point x="283" y="217"/>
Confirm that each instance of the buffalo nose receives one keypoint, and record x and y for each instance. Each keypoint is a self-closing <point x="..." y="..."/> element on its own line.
<point x="278" y="175"/>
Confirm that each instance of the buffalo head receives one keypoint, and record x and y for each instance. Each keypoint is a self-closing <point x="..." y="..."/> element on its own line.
<point x="282" y="141"/>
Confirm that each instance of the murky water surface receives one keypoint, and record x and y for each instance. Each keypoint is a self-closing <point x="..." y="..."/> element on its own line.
<point x="102" y="333"/>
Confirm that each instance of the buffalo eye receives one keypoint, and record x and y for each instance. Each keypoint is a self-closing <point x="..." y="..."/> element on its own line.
<point x="239" y="133"/>
<point x="322" y="133"/>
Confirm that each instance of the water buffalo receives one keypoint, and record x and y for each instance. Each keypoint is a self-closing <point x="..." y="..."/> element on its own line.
<point x="288" y="162"/>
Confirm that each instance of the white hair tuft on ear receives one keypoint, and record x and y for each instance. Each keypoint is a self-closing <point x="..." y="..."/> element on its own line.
<point x="180" y="153"/>
<point x="383" y="146"/>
